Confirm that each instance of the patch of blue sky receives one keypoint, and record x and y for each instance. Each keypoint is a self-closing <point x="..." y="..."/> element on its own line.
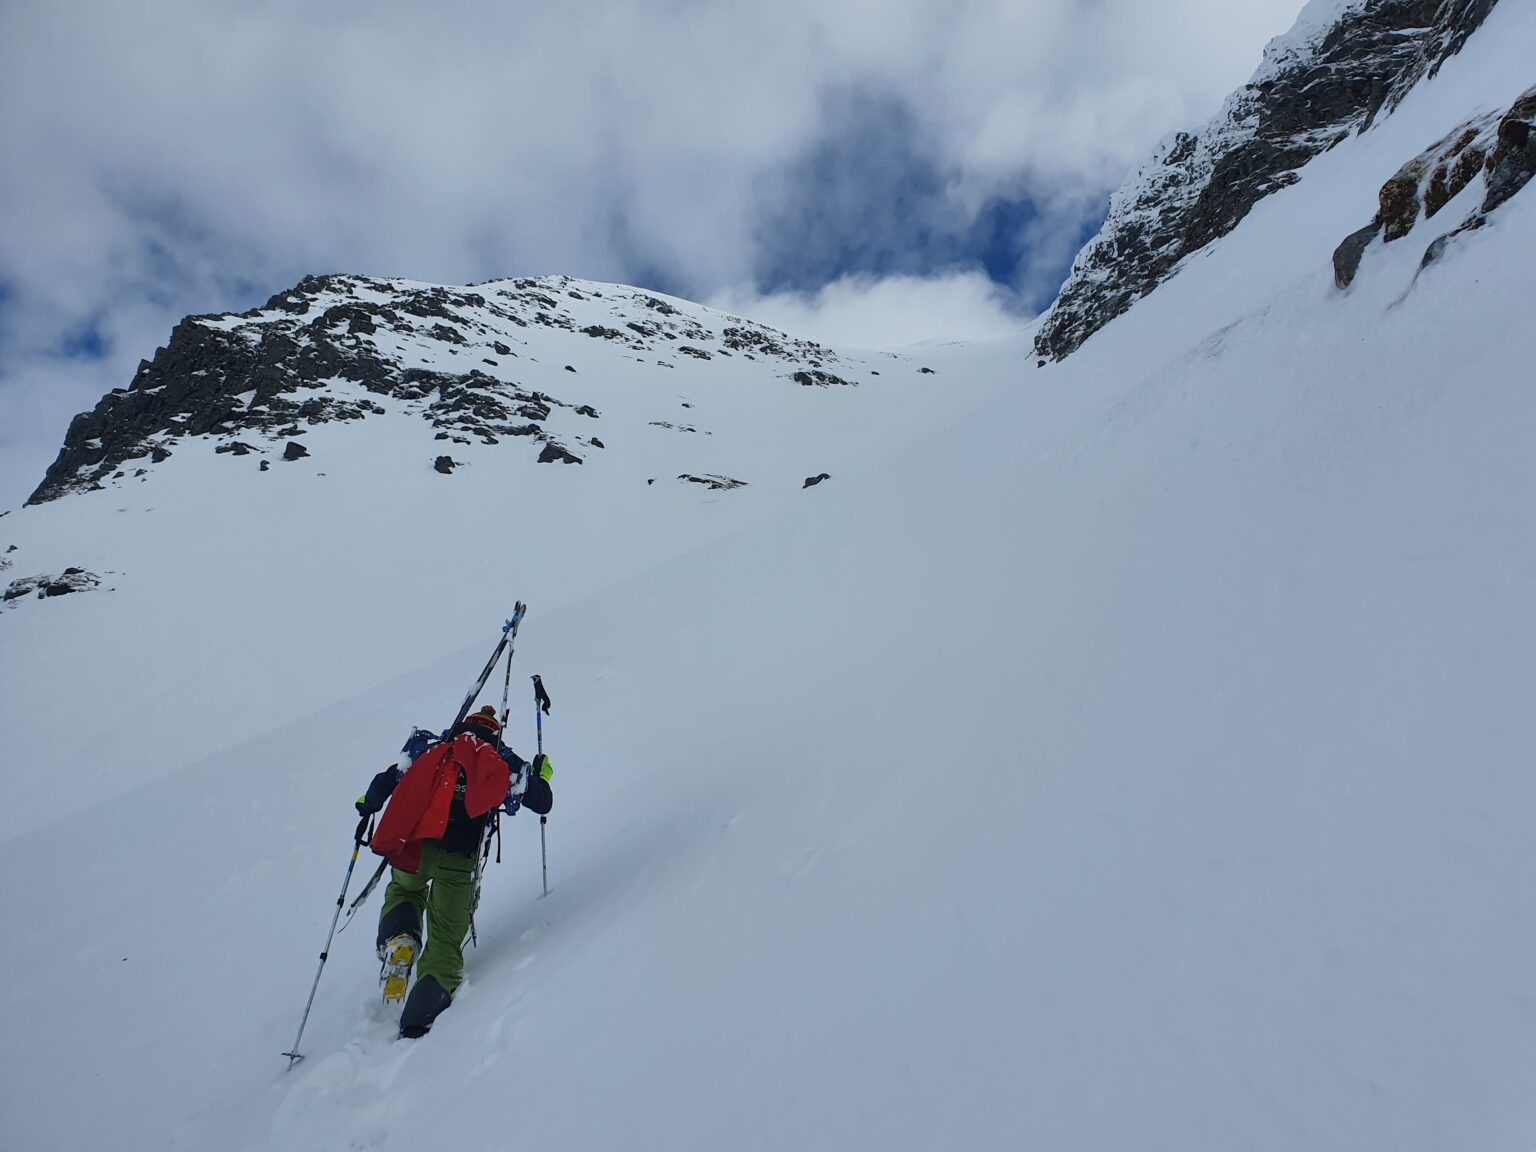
<point x="870" y="198"/>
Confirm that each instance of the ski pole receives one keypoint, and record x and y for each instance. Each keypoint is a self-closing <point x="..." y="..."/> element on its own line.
<point x="294" y="1056"/>
<point x="541" y="706"/>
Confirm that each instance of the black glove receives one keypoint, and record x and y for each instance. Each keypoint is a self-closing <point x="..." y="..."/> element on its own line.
<point x="362" y="807"/>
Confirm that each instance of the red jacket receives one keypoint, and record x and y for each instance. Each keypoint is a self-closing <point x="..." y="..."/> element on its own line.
<point x="418" y="809"/>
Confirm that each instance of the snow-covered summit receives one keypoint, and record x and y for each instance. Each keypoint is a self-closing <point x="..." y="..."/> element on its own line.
<point x="505" y="359"/>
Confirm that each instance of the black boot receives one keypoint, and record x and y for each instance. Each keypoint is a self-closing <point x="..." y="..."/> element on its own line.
<point x="402" y="918"/>
<point x="425" y="1003"/>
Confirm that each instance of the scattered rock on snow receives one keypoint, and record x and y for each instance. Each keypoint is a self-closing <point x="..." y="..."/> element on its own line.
<point x="714" y="482"/>
<point x="555" y="453"/>
<point x="812" y="481"/>
<point x="295" y="451"/>
<point x="445" y="465"/>
<point x="820" y="379"/>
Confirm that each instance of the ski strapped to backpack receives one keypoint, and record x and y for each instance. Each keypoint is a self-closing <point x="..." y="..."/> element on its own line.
<point x="493" y="827"/>
<point x="505" y="644"/>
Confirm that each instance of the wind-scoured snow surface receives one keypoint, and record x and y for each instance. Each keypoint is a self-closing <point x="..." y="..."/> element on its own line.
<point x="1134" y="753"/>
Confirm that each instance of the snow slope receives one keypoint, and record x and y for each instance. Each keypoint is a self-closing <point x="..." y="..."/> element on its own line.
<point x="1135" y="755"/>
<point x="241" y="598"/>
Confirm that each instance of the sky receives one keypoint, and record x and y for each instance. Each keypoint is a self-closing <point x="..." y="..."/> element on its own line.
<point x="864" y="173"/>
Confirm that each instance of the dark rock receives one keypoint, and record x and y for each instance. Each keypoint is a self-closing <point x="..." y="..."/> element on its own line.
<point x="73" y="571"/>
<point x="926" y="371"/>
<point x="556" y="454"/>
<point x="597" y="331"/>
<point x="441" y="436"/>
<point x="1438" y="246"/>
<point x="1347" y="256"/>
<point x="265" y="464"/>
<point x="820" y="379"/>
<point x="696" y="353"/>
<point x="236" y="448"/>
<point x="502" y="349"/>
<point x="596" y="443"/>
<point x="157" y="455"/>
<point x="294" y="451"/>
<point x="812" y="481"/>
<point x="1039" y="363"/>
<point x="445" y="464"/>
<point x="492" y="363"/>
<point x="357" y="317"/>
<point x="587" y="410"/>
<point x="1513" y="162"/>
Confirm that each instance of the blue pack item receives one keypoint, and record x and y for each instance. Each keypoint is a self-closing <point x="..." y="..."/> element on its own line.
<point x="419" y="741"/>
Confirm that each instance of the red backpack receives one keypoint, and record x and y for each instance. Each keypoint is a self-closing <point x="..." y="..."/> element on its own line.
<point x="418" y="807"/>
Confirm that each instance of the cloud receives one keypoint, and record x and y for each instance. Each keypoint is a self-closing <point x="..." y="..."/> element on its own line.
<point x="884" y="312"/>
<point x="199" y="155"/>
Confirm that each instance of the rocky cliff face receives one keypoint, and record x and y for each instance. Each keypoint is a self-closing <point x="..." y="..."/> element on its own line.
<point x="1342" y="65"/>
<point x="344" y="347"/>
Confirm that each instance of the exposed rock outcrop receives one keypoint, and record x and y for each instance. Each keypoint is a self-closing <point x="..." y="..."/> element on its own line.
<point x="1498" y="150"/>
<point x="69" y="581"/>
<point x="1332" y="75"/>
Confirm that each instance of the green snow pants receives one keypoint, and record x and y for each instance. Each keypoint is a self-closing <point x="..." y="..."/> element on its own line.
<point x="442" y="888"/>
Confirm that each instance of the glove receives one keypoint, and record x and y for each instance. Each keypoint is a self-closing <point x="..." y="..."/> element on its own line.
<point x="362" y="807"/>
<point x="541" y="768"/>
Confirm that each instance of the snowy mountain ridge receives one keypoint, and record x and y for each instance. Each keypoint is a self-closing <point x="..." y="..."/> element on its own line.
<point x="1343" y="65"/>
<point x="460" y="358"/>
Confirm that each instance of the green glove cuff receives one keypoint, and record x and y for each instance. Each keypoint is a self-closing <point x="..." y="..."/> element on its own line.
<point x="542" y="768"/>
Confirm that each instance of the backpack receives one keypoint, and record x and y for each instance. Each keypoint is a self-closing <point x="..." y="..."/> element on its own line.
<point x="418" y="809"/>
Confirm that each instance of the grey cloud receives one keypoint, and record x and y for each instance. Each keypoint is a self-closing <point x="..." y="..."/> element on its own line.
<point x="194" y="155"/>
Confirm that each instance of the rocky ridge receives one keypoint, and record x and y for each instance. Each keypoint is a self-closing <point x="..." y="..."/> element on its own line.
<point x="1343" y="65"/>
<point x="351" y="348"/>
